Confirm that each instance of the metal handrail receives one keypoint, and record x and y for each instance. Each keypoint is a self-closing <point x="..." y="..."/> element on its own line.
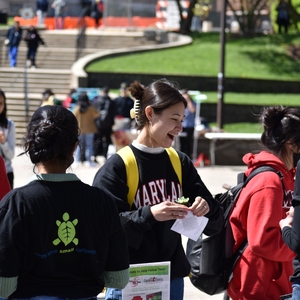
<point x="80" y="39"/>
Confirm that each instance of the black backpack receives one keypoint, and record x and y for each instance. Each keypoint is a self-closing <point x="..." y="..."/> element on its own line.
<point x="211" y="258"/>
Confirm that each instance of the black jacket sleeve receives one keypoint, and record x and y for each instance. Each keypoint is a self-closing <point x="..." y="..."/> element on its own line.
<point x="291" y="236"/>
<point x="112" y="178"/>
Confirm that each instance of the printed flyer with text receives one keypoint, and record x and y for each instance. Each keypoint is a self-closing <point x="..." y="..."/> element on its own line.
<point x="149" y="281"/>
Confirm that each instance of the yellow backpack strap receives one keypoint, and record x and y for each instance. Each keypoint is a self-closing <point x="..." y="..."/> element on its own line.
<point x="131" y="166"/>
<point x="175" y="160"/>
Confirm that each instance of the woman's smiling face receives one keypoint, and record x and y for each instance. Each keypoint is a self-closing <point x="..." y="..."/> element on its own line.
<point x="163" y="127"/>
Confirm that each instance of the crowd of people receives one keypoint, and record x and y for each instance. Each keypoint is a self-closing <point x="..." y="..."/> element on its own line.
<point x="48" y="227"/>
<point x="14" y="35"/>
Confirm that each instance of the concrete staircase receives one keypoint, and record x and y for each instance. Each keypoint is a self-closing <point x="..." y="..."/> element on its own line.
<point x="53" y="70"/>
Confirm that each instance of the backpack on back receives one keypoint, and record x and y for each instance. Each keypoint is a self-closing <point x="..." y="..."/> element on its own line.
<point x="211" y="258"/>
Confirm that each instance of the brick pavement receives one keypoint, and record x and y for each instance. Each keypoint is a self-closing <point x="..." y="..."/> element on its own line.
<point x="213" y="177"/>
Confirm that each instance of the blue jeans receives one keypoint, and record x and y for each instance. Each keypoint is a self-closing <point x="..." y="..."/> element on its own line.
<point x="31" y="53"/>
<point x="176" y="291"/>
<point x="86" y="140"/>
<point x="296" y="290"/>
<point x="12" y="54"/>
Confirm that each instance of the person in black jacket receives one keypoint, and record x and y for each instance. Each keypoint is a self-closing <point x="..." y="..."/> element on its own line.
<point x="104" y="122"/>
<point x="159" y="112"/>
<point x="60" y="238"/>
<point x="33" y="41"/>
<point x="41" y="10"/>
<point x="13" y="39"/>
<point x="124" y="104"/>
<point x="290" y="227"/>
<point x="283" y="18"/>
<point x="97" y="9"/>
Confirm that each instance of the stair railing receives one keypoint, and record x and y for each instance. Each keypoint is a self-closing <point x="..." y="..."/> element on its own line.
<point x="80" y="39"/>
<point x="26" y="92"/>
<point x="4" y="54"/>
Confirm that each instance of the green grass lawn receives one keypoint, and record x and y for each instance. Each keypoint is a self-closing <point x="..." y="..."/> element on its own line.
<point x="263" y="57"/>
<point x="260" y="57"/>
<point x="255" y="99"/>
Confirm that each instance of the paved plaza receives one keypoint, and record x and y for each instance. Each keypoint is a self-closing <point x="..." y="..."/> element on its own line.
<point x="214" y="177"/>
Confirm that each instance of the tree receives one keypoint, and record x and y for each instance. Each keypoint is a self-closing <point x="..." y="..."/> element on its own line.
<point x="185" y="23"/>
<point x="247" y="13"/>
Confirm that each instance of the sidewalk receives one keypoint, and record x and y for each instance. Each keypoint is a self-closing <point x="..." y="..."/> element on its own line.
<point x="213" y="177"/>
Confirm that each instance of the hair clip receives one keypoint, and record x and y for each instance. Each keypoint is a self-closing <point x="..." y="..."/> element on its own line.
<point x="135" y="110"/>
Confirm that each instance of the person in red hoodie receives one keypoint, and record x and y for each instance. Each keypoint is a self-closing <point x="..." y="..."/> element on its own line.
<point x="4" y="183"/>
<point x="263" y="270"/>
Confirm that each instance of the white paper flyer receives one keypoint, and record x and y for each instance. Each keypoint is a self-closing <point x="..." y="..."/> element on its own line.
<point x="149" y="281"/>
<point x="191" y="226"/>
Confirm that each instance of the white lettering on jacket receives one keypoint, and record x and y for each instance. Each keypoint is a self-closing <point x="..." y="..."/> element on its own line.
<point x="155" y="192"/>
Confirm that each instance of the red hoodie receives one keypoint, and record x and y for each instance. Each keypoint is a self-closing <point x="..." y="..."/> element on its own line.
<point x="4" y="183"/>
<point x="265" y="266"/>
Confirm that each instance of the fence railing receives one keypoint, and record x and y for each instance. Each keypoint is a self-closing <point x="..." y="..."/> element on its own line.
<point x="80" y="41"/>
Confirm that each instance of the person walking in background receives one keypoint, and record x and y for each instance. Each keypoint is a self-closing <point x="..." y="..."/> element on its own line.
<point x="4" y="183"/>
<point x="13" y="39"/>
<point x="60" y="238"/>
<point x="70" y="99"/>
<point x="33" y="40"/>
<point x="197" y="17"/>
<point x="85" y="8"/>
<point x="283" y="18"/>
<point x="7" y="138"/>
<point x="159" y="112"/>
<point x="263" y="270"/>
<point x="188" y="125"/>
<point x="97" y="9"/>
<point x="104" y="123"/>
<point x="290" y="227"/>
<point x="85" y="114"/>
<point x="59" y="6"/>
<point x="41" y="11"/>
<point x="49" y="98"/>
<point x="124" y="104"/>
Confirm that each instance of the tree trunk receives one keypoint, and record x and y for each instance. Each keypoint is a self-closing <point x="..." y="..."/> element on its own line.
<point x="185" y="23"/>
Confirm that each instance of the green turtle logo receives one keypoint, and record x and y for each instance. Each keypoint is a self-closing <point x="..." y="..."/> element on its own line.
<point x="66" y="231"/>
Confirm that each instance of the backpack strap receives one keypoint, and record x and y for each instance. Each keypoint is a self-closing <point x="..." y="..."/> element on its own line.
<point x="176" y="163"/>
<point x="257" y="171"/>
<point x="131" y="166"/>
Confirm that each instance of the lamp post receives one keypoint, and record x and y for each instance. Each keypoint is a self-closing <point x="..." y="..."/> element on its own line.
<point x="221" y="75"/>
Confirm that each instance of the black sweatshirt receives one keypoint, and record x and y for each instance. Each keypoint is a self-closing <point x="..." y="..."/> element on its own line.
<point x="59" y="238"/>
<point x="149" y="240"/>
<point x="291" y="236"/>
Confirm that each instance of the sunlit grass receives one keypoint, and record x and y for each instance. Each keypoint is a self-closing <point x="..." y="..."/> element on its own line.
<point x="260" y="57"/>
